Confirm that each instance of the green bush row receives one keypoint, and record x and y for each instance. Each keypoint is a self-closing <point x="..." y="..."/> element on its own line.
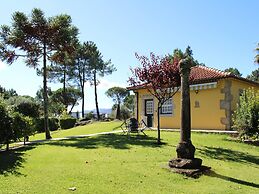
<point x="55" y="124"/>
<point x="66" y="123"/>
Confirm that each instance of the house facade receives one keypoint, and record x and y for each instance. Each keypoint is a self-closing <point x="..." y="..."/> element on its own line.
<point x="214" y="95"/>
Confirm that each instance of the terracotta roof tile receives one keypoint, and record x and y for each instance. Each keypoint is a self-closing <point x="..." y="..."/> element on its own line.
<point x="202" y="74"/>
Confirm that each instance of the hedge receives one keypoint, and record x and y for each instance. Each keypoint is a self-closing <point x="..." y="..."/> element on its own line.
<point x="66" y="123"/>
<point x="53" y="124"/>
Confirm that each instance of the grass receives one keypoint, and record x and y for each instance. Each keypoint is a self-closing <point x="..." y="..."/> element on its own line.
<point x="116" y="163"/>
<point x="95" y="127"/>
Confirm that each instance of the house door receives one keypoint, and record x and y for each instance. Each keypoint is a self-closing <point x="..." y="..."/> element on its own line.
<point x="149" y="109"/>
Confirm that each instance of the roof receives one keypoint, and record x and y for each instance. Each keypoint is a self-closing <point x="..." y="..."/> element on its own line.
<point x="202" y="74"/>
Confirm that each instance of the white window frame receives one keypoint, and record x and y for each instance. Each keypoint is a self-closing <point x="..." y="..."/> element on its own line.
<point x="149" y="106"/>
<point x="167" y="107"/>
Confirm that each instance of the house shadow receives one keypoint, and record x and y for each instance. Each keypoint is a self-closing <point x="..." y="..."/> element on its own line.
<point x="11" y="161"/>
<point x="229" y="155"/>
<point x="116" y="141"/>
<point x="231" y="179"/>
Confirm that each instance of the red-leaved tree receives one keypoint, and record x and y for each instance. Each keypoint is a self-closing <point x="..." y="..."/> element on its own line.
<point x="160" y="76"/>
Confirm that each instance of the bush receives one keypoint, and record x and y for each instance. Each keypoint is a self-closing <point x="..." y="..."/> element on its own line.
<point x="246" y="117"/>
<point x="25" y="105"/>
<point x="66" y="123"/>
<point x="53" y="124"/>
<point x="22" y="125"/>
<point x="89" y="116"/>
<point x="6" y="131"/>
<point x="28" y="108"/>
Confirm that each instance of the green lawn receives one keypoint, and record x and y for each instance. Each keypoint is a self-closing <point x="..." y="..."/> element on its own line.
<point x="95" y="127"/>
<point x="117" y="164"/>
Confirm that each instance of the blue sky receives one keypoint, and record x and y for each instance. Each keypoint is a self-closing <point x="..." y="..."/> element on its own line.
<point x="221" y="34"/>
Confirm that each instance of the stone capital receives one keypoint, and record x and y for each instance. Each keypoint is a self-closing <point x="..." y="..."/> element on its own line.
<point x="185" y="67"/>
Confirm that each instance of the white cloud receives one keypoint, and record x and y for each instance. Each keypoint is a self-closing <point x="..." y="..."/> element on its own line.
<point x="2" y="66"/>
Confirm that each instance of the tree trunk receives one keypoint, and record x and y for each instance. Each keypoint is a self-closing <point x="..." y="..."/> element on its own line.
<point x="45" y="94"/>
<point x="118" y="114"/>
<point x="64" y="87"/>
<point x="70" y="111"/>
<point x="7" y="146"/>
<point x="83" y="93"/>
<point x="96" y="100"/>
<point x="83" y="102"/>
<point x="24" y="140"/>
<point x="158" y="124"/>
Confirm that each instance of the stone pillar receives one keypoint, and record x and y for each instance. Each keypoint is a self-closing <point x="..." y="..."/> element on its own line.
<point x="185" y="150"/>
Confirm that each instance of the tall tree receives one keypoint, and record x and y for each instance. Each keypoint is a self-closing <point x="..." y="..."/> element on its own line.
<point x="118" y="94"/>
<point x="79" y="71"/>
<point x="97" y="67"/>
<point x="55" y="108"/>
<point x="233" y="71"/>
<point x="71" y="99"/>
<point x="37" y="38"/>
<point x="254" y="76"/>
<point x="128" y="102"/>
<point x="58" y="72"/>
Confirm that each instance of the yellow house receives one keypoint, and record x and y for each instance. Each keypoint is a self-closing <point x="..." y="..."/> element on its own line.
<point x="214" y="96"/>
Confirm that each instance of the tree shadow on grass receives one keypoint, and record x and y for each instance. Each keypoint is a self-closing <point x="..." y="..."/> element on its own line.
<point x="234" y="180"/>
<point x="116" y="141"/>
<point x="228" y="154"/>
<point x="12" y="160"/>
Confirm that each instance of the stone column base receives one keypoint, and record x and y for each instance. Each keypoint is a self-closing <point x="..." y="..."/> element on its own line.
<point x="183" y="163"/>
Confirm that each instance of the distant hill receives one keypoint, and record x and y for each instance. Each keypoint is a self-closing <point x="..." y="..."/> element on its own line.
<point x="101" y="110"/>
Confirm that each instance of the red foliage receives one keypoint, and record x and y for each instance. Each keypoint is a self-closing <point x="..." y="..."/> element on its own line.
<point x="161" y="76"/>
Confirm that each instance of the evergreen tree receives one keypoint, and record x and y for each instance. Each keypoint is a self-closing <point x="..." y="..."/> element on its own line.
<point x="118" y="94"/>
<point x="234" y="71"/>
<point x="37" y="38"/>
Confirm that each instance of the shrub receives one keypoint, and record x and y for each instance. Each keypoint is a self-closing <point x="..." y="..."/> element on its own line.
<point x="6" y="131"/>
<point x="25" y="105"/>
<point x="53" y="124"/>
<point x="246" y="117"/>
<point x="22" y="125"/>
<point x="66" y="123"/>
<point x="28" y="108"/>
<point x="89" y="116"/>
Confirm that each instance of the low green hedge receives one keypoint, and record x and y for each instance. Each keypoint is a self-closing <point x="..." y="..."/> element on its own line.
<point x="53" y="124"/>
<point x="66" y="123"/>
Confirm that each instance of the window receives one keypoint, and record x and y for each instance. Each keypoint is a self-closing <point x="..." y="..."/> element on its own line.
<point x="167" y="107"/>
<point x="149" y="107"/>
<point x="196" y="104"/>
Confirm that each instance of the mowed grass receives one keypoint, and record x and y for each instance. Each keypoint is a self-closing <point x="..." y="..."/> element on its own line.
<point x="116" y="163"/>
<point x="95" y="127"/>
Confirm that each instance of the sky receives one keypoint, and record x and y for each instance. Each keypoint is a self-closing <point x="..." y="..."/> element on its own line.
<point x="221" y="33"/>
